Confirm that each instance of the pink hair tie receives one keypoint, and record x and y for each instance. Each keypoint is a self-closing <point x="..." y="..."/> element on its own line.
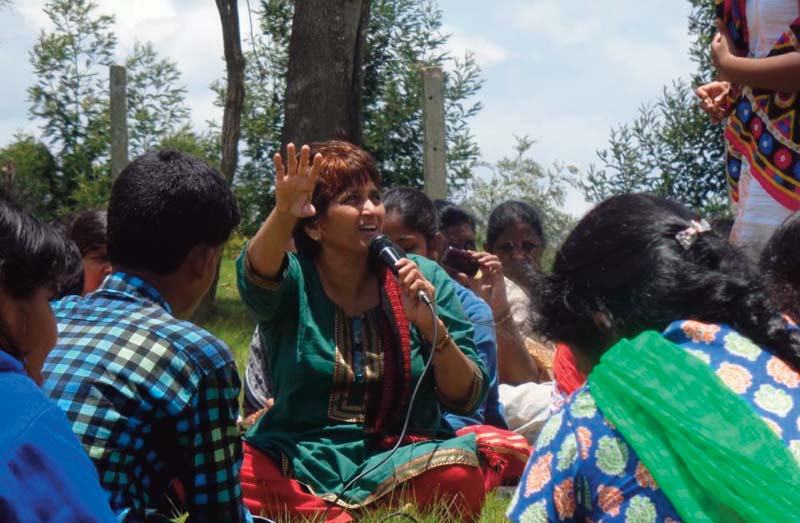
<point x="689" y="235"/>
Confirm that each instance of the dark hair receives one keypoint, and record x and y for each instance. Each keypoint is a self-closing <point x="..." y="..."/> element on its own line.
<point x="417" y="210"/>
<point x="780" y="263"/>
<point x="73" y="277"/>
<point x="88" y="231"/>
<point x="722" y="225"/>
<point x="344" y="166"/>
<point x="162" y="205"/>
<point x="509" y="213"/>
<point x="451" y="215"/>
<point x="32" y="254"/>
<point x="623" y="260"/>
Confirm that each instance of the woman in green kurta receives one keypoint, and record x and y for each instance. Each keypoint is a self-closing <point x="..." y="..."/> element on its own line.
<point x="348" y="343"/>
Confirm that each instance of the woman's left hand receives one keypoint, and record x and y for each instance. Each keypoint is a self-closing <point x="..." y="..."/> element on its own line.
<point x="411" y="282"/>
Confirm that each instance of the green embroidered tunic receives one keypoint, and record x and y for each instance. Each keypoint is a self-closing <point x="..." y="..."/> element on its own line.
<point x="326" y="369"/>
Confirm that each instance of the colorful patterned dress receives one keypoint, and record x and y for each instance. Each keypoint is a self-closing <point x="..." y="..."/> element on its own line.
<point x="762" y="133"/>
<point x="583" y="470"/>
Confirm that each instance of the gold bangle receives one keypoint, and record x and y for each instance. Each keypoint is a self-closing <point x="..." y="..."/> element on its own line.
<point x="443" y="342"/>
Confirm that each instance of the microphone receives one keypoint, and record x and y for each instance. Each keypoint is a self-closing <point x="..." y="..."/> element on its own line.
<point x="384" y="251"/>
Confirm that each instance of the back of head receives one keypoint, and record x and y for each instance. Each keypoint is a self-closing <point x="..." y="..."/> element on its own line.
<point x="722" y="225"/>
<point x="622" y="270"/>
<point x="509" y="213"/>
<point x="780" y="262"/>
<point x="88" y="231"/>
<point x="73" y="276"/>
<point x="162" y="205"/>
<point x="451" y="215"/>
<point x="417" y="210"/>
<point x="32" y="254"/>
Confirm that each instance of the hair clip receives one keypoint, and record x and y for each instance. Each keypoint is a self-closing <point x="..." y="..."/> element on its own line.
<point x="689" y="235"/>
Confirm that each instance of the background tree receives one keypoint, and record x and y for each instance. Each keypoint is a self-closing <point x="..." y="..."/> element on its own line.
<point x="267" y="58"/>
<point x="406" y="36"/>
<point x="204" y="145"/>
<point x="324" y="78"/>
<point x="69" y="94"/>
<point x="29" y="175"/>
<point x="519" y="177"/>
<point x="403" y="36"/>
<point x="156" y="102"/>
<point x="671" y="148"/>
<point x="231" y="118"/>
<point x="70" y="99"/>
<point x="234" y="92"/>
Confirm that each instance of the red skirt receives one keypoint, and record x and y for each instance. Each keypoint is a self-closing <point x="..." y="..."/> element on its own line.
<point x="268" y="493"/>
<point x="506" y="451"/>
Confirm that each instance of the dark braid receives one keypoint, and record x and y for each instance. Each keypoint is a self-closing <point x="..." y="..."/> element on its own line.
<point x="623" y="261"/>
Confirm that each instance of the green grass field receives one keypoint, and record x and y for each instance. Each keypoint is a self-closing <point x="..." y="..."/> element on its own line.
<point x="231" y="322"/>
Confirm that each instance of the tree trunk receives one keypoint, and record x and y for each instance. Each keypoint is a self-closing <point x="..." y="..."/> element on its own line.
<point x="234" y="99"/>
<point x="232" y="117"/>
<point x="324" y="80"/>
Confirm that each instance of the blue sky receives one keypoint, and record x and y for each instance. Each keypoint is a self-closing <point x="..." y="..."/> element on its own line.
<point x="561" y="72"/>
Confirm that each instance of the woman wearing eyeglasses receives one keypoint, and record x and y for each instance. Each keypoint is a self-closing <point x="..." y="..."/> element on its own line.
<point x="516" y="236"/>
<point x="515" y="242"/>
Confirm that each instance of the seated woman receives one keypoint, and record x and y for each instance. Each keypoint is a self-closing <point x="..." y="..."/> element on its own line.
<point x="411" y="223"/>
<point x="515" y="238"/>
<point x="515" y="235"/>
<point x="88" y="231"/>
<point x="691" y="408"/>
<point x="458" y="228"/>
<point x="87" y="259"/>
<point x="45" y="475"/>
<point x="779" y="263"/>
<point x="348" y="344"/>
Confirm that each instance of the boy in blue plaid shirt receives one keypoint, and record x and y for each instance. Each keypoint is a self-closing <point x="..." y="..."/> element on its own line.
<point x="153" y="398"/>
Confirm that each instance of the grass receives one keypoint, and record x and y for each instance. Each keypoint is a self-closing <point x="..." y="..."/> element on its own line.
<point x="231" y="322"/>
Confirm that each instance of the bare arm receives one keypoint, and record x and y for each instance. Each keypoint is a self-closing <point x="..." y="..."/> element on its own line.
<point x="456" y="375"/>
<point x="514" y="363"/>
<point x="293" y="187"/>
<point x="454" y="372"/>
<point x="774" y="73"/>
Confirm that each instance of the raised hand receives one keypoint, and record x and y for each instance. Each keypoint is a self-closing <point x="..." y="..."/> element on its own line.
<point x="294" y="182"/>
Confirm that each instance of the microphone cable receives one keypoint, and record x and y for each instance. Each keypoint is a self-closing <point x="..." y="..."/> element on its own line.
<point x="432" y="306"/>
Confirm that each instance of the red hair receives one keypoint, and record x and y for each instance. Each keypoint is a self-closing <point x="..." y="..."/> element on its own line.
<point x="344" y="166"/>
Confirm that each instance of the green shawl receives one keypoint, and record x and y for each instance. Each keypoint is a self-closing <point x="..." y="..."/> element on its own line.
<point x="712" y="455"/>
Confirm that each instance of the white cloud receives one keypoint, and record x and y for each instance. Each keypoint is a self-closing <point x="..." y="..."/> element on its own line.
<point x="488" y="53"/>
<point x="31" y="12"/>
<point x="188" y="33"/>
<point x="556" y="20"/>
<point x="649" y="65"/>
